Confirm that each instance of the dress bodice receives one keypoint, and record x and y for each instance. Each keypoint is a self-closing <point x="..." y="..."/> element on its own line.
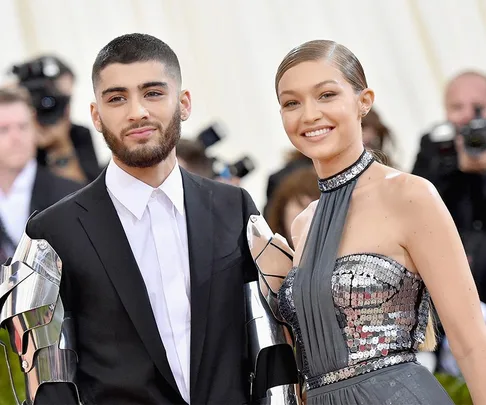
<point x="381" y="308"/>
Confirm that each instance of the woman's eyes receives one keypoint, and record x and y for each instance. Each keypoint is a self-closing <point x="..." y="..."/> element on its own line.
<point x="327" y="94"/>
<point x="324" y="96"/>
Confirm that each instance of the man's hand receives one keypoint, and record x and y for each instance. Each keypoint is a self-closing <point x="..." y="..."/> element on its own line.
<point x="468" y="163"/>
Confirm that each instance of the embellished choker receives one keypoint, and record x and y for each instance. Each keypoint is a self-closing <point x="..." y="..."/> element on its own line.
<point x="347" y="175"/>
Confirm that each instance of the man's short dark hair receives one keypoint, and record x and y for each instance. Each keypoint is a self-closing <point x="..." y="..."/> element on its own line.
<point x="131" y="48"/>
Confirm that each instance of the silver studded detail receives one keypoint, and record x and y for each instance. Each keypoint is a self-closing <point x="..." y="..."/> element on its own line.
<point x="43" y="245"/>
<point x="347" y="175"/>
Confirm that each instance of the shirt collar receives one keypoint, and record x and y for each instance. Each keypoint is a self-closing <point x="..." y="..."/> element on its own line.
<point x="26" y="178"/>
<point x="134" y="194"/>
<point x="174" y="188"/>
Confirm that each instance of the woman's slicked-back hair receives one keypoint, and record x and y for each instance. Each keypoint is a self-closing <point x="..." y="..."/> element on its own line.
<point x="340" y="56"/>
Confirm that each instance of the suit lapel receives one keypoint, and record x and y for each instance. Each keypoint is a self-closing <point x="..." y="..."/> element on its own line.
<point x="102" y="225"/>
<point x="40" y="191"/>
<point x="199" y="217"/>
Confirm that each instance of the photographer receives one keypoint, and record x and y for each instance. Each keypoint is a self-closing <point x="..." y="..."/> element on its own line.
<point x="453" y="157"/>
<point x="65" y="148"/>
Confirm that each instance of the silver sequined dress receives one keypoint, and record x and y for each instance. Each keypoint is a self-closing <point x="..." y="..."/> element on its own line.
<point x="358" y="319"/>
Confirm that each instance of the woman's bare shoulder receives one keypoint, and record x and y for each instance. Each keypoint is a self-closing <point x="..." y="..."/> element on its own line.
<point x="407" y="193"/>
<point x="407" y="188"/>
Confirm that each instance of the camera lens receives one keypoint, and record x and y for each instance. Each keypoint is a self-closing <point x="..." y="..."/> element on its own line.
<point x="48" y="102"/>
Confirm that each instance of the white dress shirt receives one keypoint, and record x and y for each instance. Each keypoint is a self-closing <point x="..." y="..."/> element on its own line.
<point x="15" y="206"/>
<point x="155" y="224"/>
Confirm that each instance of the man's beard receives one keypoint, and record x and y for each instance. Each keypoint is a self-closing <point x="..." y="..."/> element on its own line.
<point x="143" y="156"/>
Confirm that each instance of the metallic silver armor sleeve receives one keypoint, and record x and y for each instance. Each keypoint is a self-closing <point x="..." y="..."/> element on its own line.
<point x="274" y="374"/>
<point x="41" y="333"/>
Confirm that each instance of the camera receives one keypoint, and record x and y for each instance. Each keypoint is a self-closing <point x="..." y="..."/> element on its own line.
<point x="474" y="133"/>
<point x="444" y="158"/>
<point x="38" y="77"/>
<point x="238" y="169"/>
<point x="213" y="134"/>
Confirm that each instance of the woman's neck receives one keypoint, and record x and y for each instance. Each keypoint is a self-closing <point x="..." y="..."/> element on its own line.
<point x="336" y="164"/>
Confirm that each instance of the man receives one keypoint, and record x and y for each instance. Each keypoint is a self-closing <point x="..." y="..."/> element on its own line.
<point x="154" y="258"/>
<point x="25" y="187"/>
<point x="459" y="176"/>
<point x="463" y="94"/>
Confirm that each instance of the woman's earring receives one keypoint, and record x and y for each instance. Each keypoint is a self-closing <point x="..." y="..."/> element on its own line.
<point x="363" y="113"/>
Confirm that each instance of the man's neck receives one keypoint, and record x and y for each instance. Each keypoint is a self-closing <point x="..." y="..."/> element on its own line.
<point x="7" y="179"/>
<point x="153" y="176"/>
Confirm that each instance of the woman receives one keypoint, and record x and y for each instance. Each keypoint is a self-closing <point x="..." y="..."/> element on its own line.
<point x="368" y="252"/>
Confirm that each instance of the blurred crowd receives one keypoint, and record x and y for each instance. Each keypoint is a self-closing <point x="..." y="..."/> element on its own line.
<point x="44" y="157"/>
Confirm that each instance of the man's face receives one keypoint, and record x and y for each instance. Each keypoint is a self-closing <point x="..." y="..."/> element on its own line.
<point x="17" y="136"/>
<point x="139" y="108"/>
<point x="463" y="94"/>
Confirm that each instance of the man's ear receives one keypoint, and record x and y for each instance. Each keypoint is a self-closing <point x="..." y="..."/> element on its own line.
<point x="185" y="104"/>
<point x="95" y="116"/>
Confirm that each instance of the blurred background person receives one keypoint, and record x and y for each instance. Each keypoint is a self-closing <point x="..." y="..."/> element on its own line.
<point x="191" y="155"/>
<point x="377" y="137"/>
<point x="65" y="148"/>
<point x="291" y="196"/>
<point x="25" y="186"/>
<point x="294" y="160"/>
<point x="453" y="157"/>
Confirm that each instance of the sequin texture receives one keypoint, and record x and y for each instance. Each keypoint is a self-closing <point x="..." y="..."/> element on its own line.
<point x="287" y="309"/>
<point x="382" y="310"/>
<point x="349" y="174"/>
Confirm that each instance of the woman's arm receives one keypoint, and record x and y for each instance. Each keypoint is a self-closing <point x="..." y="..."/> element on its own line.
<point x="300" y="228"/>
<point x="433" y="242"/>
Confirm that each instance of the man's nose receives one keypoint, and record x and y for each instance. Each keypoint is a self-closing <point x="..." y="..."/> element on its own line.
<point x="137" y="111"/>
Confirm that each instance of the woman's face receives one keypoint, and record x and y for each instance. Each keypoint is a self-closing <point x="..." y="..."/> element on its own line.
<point x="321" y="112"/>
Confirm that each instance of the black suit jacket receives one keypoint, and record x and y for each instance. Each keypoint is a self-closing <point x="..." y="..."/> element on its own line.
<point x="49" y="189"/>
<point x="121" y="356"/>
<point x="464" y="194"/>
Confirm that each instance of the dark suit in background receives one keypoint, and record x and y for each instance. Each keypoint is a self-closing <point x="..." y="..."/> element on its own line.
<point x="464" y="194"/>
<point x="121" y="356"/>
<point x="46" y="191"/>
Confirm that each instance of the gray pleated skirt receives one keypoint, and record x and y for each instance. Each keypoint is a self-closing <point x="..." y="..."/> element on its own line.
<point x="402" y="384"/>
